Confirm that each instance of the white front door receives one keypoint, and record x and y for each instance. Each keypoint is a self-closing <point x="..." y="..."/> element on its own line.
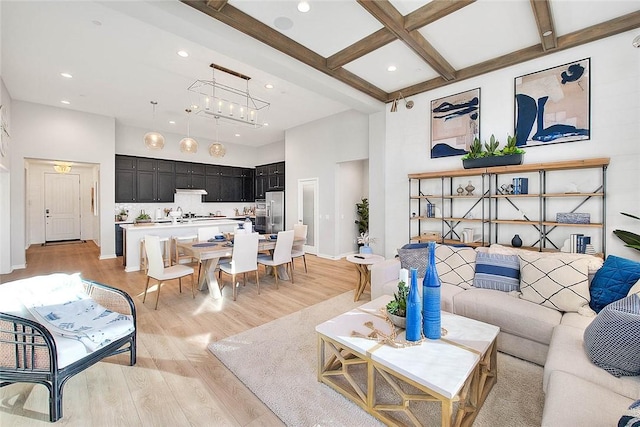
<point x="308" y="211"/>
<point x="61" y="207"/>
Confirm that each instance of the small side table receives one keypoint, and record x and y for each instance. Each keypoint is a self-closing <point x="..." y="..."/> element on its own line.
<point x="362" y="263"/>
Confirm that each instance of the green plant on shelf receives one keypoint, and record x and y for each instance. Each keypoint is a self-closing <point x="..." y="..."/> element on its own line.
<point x="631" y="240"/>
<point x="143" y="216"/>
<point x="477" y="150"/>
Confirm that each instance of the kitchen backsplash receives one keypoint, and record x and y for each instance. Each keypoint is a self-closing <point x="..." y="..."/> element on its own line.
<point x="189" y="203"/>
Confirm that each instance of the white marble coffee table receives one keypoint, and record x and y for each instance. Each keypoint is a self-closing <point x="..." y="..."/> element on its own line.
<point x="460" y="367"/>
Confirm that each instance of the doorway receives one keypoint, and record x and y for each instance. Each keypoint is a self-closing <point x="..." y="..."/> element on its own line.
<point x="308" y="212"/>
<point x="62" y="207"/>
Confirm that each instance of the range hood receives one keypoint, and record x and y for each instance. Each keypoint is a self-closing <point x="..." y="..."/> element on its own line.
<point x="191" y="191"/>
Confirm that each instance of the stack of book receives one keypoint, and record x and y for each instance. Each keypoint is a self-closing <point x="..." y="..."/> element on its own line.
<point x="520" y="185"/>
<point x="578" y="243"/>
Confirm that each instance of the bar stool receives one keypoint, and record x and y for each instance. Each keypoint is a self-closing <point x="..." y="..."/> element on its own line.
<point x="166" y="253"/>
<point x="176" y="255"/>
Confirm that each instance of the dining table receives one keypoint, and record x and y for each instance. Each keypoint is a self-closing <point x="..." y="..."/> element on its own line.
<point x="210" y="252"/>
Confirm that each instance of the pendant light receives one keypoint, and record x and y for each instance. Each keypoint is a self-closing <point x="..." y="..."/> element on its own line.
<point x="154" y="140"/>
<point x="217" y="149"/>
<point x="188" y="144"/>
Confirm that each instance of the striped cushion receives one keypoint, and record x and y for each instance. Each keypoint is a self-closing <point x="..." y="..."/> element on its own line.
<point x="497" y="271"/>
<point x="612" y="340"/>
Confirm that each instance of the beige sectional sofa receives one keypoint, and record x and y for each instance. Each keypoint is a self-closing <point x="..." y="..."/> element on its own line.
<point x="577" y="392"/>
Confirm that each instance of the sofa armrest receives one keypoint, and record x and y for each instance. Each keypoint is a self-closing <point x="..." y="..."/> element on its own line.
<point x="25" y="346"/>
<point x="382" y="273"/>
<point x="111" y="298"/>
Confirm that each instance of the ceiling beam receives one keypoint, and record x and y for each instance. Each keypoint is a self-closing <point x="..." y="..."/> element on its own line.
<point x="544" y="20"/>
<point x="216" y="4"/>
<point x="389" y="16"/>
<point x="360" y="48"/>
<point x="609" y="28"/>
<point x="433" y="11"/>
<point x="244" y="23"/>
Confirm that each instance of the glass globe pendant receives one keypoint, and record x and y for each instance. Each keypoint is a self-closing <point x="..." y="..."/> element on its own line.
<point x="154" y="140"/>
<point x="188" y="144"/>
<point x="217" y="150"/>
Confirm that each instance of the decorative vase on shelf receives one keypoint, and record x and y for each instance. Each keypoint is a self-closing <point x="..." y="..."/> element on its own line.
<point x="414" y="307"/>
<point x="516" y="242"/>
<point x="469" y="189"/>
<point x="431" y="316"/>
<point x="366" y="249"/>
<point x="460" y="190"/>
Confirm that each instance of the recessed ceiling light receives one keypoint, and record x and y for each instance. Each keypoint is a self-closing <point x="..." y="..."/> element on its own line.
<point x="304" y="6"/>
<point x="66" y="75"/>
<point x="194" y="107"/>
<point x="269" y="86"/>
<point x="172" y="122"/>
<point x="265" y="124"/>
<point x="547" y="33"/>
<point x="283" y="23"/>
<point x="65" y="102"/>
<point x="183" y="53"/>
<point x="237" y="134"/>
<point x="391" y="68"/>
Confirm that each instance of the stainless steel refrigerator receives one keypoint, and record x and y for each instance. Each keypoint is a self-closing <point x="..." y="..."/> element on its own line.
<point x="274" y="211"/>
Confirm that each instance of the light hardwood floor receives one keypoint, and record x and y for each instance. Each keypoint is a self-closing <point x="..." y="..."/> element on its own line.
<point x="176" y="381"/>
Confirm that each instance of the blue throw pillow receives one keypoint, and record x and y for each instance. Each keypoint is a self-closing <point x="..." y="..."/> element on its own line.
<point x="415" y="245"/>
<point x="497" y="271"/>
<point x="613" y="281"/>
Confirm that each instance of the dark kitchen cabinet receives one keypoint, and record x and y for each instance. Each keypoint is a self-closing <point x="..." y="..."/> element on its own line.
<point x="269" y="178"/>
<point x="228" y="184"/>
<point x="190" y="175"/>
<point x="155" y="180"/>
<point x="125" y="174"/>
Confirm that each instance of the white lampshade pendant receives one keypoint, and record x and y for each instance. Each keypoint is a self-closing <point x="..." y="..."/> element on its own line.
<point x="217" y="150"/>
<point x="154" y="140"/>
<point x="188" y="145"/>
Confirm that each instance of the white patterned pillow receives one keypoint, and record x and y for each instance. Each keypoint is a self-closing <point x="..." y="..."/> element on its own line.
<point x="555" y="282"/>
<point x="456" y="265"/>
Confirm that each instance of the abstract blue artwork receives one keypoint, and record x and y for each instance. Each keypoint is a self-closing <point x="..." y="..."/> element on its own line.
<point x="455" y="122"/>
<point x="553" y="105"/>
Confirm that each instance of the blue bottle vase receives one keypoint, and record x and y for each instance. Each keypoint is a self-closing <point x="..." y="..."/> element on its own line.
<point x="414" y="307"/>
<point x="431" y="316"/>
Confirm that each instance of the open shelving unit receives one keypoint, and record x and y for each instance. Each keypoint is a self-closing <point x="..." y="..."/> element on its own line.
<point x="492" y="209"/>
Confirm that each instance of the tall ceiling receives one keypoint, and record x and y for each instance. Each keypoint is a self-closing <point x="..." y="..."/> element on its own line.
<point x="335" y="57"/>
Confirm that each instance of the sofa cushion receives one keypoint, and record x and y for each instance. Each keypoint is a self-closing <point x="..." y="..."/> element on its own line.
<point x="613" y="281"/>
<point x="555" y="282"/>
<point x="566" y="353"/>
<point x="414" y="258"/>
<point x="577" y="320"/>
<point x="612" y="340"/>
<point x="573" y="401"/>
<point x="497" y="271"/>
<point x="456" y="265"/>
<point x="512" y="315"/>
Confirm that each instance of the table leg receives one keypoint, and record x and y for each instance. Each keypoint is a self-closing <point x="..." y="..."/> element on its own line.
<point x="364" y="277"/>
<point x="209" y="280"/>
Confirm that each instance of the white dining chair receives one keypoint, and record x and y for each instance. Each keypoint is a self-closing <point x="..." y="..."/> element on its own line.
<point x="299" y="232"/>
<point x="243" y="260"/>
<point x="159" y="272"/>
<point x="178" y="255"/>
<point x="281" y="254"/>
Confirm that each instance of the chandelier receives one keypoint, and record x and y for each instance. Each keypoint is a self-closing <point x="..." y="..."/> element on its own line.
<point x="226" y="103"/>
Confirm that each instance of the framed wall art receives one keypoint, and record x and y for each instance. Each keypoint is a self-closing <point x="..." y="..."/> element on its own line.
<point x="455" y="122"/>
<point x="553" y="105"/>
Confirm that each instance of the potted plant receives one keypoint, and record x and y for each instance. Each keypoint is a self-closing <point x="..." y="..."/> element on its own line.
<point x="143" y="217"/>
<point x="477" y="158"/>
<point x="631" y="240"/>
<point x="123" y="214"/>
<point x="362" y="211"/>
<point x="397" y="308"/>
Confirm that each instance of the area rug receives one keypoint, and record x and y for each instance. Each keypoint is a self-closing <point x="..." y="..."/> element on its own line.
<point x="278" y="363"/>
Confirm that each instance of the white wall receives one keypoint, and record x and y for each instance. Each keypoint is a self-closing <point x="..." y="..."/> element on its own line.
<point x="42" y="132"/>
<point x="377" y="182"/>
<point x="351" y="186"/>
<point x="615" y="127"/>
<point x="5" y="199"/>
<point x="314" y="150"/>
<point x="270" y="153"/>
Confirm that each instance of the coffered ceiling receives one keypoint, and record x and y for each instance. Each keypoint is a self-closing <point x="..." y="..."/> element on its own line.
<point x="433" y="42"/>
<point x="122" y="54"/>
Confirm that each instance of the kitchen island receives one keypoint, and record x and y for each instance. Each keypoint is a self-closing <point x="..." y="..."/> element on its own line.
<point x="134" y="232"/>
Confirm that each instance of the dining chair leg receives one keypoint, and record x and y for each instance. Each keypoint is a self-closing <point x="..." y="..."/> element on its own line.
<point x="158" y="294"/>
<point x="145" y="290"/>
<point x="244" y="279"/>
<point x="235" y="288"/>
<point x="180" y="284"/>
<point x="291" y="270"/>
<point x="258" y="281"/>
<point x="199" y="269"/>
<point x="304" y="258"/>
<point x="193" y="286"/>
<point x="275" y="273"/>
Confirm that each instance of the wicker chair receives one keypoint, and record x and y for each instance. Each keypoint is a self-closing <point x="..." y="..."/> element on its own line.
<point x="30" y="353"/>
